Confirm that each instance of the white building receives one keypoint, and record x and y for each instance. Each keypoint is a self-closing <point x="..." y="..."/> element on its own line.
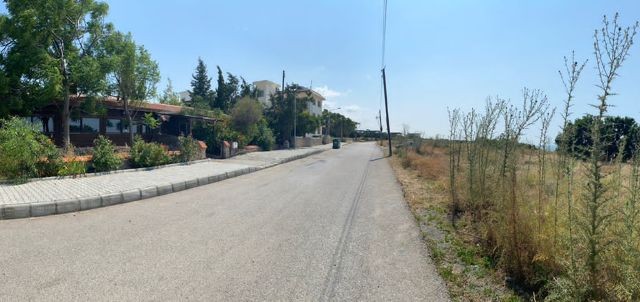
<point x="265" y="89"/>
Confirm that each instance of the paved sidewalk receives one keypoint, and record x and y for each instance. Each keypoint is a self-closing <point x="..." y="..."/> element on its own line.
<point x="63" y="195"/>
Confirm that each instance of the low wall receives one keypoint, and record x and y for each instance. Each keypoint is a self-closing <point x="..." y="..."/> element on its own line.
<point x="308" y="141"/>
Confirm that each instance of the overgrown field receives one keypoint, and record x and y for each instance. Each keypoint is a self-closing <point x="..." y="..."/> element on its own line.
<point x="561" y="225"/>
<point x="532" y="227"/>
<point x="469" y="274"/>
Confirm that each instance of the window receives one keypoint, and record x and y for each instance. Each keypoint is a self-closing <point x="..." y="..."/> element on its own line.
<point x="114" y="126"/>
<point x="84" y="125"/>
<point x="42" y="124"/>
<point x="90" y="125"/>
<point x="75" y="126"/>
<point x="140" y="129"/>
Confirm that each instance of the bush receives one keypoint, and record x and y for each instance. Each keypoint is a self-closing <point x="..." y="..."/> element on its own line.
<point x="73" y="168"/>
<point x="105" y="157"/>
<point x="265" y="138"/>
<point x="50" y="162"/>
<point x="245" y="115"/>
<point x="189" y="149"/>
<point x="148" y="154"/>
<point x="25" y="151"/>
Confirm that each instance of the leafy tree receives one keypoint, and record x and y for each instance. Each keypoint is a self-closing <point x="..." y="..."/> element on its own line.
<point x="245" y="116"/>
<point x="169" y="96"/>
<point x="201" y="94"/>
<point x="338" y="125"/>
<point x="51" y="55"/>
<point x="281" y="115"/>
<point x="616" y="133"/>
<point x="307" y="123"/>
<point x="133" y="74"/>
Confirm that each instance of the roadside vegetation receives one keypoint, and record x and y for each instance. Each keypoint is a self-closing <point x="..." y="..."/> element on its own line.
<point x="558" y="225"/>
<point x="27" y="153"/>
<point x="54" y="50"/>
<point x="422" y="168"/>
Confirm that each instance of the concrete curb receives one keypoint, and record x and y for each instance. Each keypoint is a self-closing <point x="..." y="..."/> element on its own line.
<point x="27" y="210"/>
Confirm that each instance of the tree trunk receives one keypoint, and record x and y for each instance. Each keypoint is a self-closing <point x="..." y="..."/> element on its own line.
<point x="66" y="115"/>
<point x="129" y="120"/>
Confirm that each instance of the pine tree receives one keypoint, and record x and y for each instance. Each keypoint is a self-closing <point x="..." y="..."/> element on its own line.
<point x="201" y="93"/>
<point x="220" y="100"/>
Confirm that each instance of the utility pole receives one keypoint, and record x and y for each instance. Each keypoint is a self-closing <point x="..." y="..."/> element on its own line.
<point x="295" y="118"/>
<point x="386" y="108"/>
<point x="380" y="121"/>
<point x="282" y="94"/>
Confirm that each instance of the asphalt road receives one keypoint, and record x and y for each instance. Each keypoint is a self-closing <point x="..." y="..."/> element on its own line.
<point x="330" y="227"/>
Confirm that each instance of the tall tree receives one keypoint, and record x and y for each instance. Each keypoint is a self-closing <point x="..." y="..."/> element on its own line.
<point x="247" y="89"/>
<point x="281" y="115"/>
<point x="228" y="91"/>
<point x="201" y="94"/>
<point x="169" y="96"/>
<point x="133" y="74"/>
<point x="52" y="50"/>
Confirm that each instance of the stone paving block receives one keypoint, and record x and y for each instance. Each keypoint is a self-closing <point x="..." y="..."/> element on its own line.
<point x="67" y="206"/>
<point x="148" y="192"/>
<point x="203" y="181"/>
<point x="178" y="186"/>
<point x="88" y="203"/>
<point x="165" y="189"/>
<point x="43" y="209"/>
<point x="113" y="183"/>
<point x="131" y="195"/>
<point x="216" y="178"/>
<point x="15" y="211"/>
<point x="111" y="199"/>
<point x="191" y="183"/>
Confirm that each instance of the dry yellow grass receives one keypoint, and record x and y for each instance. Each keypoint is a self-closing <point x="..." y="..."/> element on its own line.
<point x="468" y="276"/>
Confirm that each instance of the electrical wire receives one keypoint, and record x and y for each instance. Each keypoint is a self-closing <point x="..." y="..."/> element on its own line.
<point x="382" y="61"/>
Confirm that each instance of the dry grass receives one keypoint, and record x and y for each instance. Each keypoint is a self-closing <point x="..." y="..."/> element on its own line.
<point x="469" y="275"/>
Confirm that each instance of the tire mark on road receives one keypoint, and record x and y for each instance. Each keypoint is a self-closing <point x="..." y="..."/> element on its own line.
<point x="335" y="266"/>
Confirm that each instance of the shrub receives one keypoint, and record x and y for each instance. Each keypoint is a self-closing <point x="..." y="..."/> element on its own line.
<point x="73" y="168"/>
<point x="148" y="154"/>
<point x="265" y="138"/>
<point x="189" y="149"/>
<point x="245" y="115"/>
<point x="105" y="157"/>
<point x="50" y="161"/>
<point x="25" y="151"/>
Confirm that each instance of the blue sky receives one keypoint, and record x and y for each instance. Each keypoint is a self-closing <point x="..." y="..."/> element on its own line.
<point x="439" y="53"/>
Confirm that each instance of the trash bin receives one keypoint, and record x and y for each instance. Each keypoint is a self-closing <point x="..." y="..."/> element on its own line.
<point x="336" y="143"/>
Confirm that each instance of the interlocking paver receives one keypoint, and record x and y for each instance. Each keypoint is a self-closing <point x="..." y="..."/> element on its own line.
<point x="187" y="175"/>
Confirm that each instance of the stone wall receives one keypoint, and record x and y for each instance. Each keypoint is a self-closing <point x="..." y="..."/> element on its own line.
<point x="308" y="141"/>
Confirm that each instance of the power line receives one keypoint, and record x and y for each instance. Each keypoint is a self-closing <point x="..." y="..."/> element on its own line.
<point x="384" y="76"/>
<point x="384" y="32"/>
